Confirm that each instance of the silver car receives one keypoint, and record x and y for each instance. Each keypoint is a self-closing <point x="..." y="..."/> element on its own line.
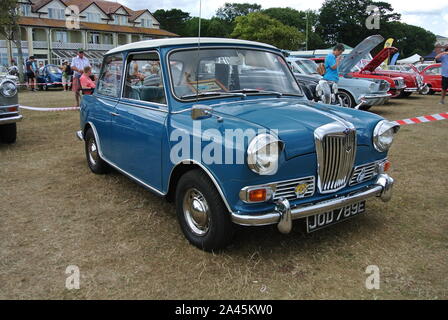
<point x="352" y="92"/>
<point x="9" y="111"/>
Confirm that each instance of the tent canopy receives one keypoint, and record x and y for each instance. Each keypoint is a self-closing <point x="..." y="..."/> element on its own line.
<point x="412" y="59"/>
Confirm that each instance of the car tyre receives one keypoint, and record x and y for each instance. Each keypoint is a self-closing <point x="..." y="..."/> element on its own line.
<point x="94" y="160"/>
<point x="347" y="99"/>
<point x="8" y="133"/>
<point x="202" y="214"/>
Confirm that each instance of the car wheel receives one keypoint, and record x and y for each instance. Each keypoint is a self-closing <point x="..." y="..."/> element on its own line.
<point x="425" y="91"/>
<point x="203" y="217"/>
<point x="45" y="87"/>
<point x="346" y="99"/>
<point x="96" y="164"/>
<point x="8" y="133"/>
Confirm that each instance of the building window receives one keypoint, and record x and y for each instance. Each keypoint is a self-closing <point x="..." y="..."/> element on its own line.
<point x="146" y="23"/>
<point x="93" y="17"/>
<point x="94" y="38"/>
<point x="61" y="36"/>
<point x="124" y="20"/>
<point x="54" y="13"/>
<point x="25" y="9"/>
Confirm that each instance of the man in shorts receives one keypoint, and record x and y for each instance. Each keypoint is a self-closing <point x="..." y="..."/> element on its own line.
<point x="30" y="69"/>
<point x="444" y="60"/>
<point x="78" y="64"/>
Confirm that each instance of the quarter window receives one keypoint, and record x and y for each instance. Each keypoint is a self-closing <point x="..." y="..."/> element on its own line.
<point x="110" y="78"/>
<point x="144" y="79"/>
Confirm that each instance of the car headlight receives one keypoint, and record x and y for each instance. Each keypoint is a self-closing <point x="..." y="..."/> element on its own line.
<point x="8" y="89"/>
<point x="372" y="87"/>
<point x="335" y="88"/>
<point x="383" y="135"/>
<point x="263" y="154"/>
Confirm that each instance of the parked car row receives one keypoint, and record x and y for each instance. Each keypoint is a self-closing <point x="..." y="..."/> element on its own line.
<point x="402" y="82"/>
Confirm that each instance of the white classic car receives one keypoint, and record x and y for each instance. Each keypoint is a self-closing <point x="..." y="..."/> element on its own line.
<point x="353" y="92"/>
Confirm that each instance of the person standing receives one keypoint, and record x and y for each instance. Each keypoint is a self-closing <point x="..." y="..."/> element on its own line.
<point x="31" y="73"/>
<point x="65" y="76"/>
<point x="332" y="62"/>
<point x="443" y="56"/>
<point x="78" y="64"/>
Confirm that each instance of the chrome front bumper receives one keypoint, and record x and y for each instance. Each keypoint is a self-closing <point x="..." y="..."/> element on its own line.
<point x="284" y="213"/>
<point x="407" y="89"/>
<point x="9" y="120"/>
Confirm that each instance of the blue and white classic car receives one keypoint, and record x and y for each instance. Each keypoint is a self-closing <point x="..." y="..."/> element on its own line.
<point x="9" y="110"/>
<point x="353" y="92"/>
<point x="221" y="127"/>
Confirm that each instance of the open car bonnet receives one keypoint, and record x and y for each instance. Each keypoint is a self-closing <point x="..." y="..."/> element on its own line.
<point x="359" y="52"/>
<point x="379" y="58"/>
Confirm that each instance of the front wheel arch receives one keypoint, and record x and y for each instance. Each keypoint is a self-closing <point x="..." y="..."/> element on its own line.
<point x="182" y="168"/>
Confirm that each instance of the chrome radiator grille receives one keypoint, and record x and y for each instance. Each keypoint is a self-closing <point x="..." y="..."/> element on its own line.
<point x="287" y="189"/>
<point x="335" y="155"/>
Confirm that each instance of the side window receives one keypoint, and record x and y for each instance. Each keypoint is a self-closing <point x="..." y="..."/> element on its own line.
<point x="110" y="77"/>
<point x="144" y="78"/>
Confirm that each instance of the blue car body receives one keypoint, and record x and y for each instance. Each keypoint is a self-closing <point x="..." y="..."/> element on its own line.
<point x="50" y="76"/>
<point x="135" y="138"/>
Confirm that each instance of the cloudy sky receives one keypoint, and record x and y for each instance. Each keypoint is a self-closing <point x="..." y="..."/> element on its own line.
<point x="433" y="16"/>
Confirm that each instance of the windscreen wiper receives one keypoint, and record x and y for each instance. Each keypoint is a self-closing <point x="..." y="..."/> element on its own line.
<point x="245" y="90"/>
<point x="213" y="93"/>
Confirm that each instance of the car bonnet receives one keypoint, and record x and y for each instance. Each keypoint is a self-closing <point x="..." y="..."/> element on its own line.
<point x="358" y="53"/>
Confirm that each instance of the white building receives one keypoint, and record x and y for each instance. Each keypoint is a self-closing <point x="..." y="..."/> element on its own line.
<point x="103" y="25"/>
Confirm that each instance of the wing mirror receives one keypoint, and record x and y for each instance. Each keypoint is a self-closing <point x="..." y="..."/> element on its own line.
<point x="199" y="112"/>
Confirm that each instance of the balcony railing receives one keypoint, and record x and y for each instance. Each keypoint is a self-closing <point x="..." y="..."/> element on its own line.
<point x="40" y="44"/>
<point x="23" y="43"/>
<point x="66" y="45"/>
<point x="95" y="46"/>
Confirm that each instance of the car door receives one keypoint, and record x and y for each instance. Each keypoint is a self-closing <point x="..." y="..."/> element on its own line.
<point x="138" y="123"/>
<point x="434" y="77"/>
<point x="104" y="100"/>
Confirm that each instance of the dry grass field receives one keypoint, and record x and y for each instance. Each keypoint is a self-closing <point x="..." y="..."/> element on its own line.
<point x="127" y="243"/>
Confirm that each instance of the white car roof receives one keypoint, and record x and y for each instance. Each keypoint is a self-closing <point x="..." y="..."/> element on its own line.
<point x="147" y="44"/>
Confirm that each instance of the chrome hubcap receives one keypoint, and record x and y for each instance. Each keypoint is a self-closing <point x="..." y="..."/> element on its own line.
<point x="345" y="100"/>
<point x="93" y="152"/>
<point x="196" y="211"/>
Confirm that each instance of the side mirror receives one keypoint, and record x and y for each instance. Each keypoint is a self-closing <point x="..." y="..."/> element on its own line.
<point x="199" y="112"/>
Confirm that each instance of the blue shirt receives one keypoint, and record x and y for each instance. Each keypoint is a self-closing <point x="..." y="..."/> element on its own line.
<point x="330" y="74"/>
<point x="444" y="60"/>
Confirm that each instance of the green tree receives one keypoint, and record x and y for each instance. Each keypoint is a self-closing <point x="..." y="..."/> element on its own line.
<point x="409" y="39"/>
<point x="298" y="19"/>
<point x="230" y="11"/>
<point x="173" y="20"/>
<point x="260" y="27"/>
<point x="344" y="20"/>
<point x="10" y="29"/>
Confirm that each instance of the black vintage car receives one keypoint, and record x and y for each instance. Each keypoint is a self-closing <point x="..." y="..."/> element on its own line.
<point x="9" y="111"/>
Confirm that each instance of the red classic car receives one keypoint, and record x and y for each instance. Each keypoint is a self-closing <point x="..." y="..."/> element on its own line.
<point x="350" y="67"/>
<point x="414" y="82"/>
<point x="432" y="76"/>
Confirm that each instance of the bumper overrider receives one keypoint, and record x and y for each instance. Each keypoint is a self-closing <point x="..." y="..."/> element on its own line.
<point x="374" y="99"/>
<point x="284" y="213"/>
<point x="7" y="117"/>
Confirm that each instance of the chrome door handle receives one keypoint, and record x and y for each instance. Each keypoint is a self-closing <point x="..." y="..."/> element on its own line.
<point x="114" y="114"/>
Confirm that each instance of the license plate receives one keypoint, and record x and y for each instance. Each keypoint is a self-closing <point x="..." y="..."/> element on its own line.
<point x="326" y="219"/>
